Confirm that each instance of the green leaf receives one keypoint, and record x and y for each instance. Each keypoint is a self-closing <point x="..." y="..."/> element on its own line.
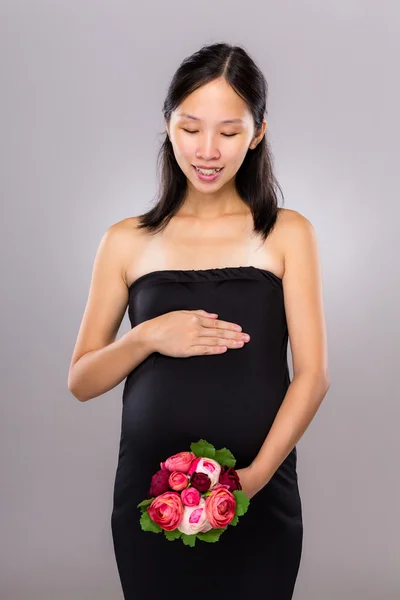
<point x="225" y="457"/>
<point x="189" y="540"/>
<point x="145" y="503"/>
<point x="148" y="524"/>
<point x="211" y="536"/>
<point x="202" y="448"/>
<point x="242" y="502"/>
<point x="172" y="535"/>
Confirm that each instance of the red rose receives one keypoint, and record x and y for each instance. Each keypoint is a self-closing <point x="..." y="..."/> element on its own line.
<point x="200" y="481"/>
<point x="228" y="476"/>
<point x="159" y="483"/>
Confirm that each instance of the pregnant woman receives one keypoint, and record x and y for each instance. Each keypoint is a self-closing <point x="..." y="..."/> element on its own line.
<point x="216" y="278"/>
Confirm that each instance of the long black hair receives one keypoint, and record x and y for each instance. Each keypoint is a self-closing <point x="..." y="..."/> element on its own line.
<point x="255" y="181"/>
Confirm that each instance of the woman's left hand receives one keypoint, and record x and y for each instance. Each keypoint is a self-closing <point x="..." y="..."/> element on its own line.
<point x="248" y="482"/>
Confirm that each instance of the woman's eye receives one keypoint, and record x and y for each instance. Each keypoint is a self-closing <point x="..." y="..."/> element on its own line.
<point x="224" y="134"/>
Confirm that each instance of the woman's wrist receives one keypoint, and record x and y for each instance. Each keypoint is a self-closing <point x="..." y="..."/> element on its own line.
<point x="140" y="335"/>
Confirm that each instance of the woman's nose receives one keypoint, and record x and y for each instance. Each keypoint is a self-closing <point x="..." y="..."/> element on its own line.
<point x="208" y="150"/>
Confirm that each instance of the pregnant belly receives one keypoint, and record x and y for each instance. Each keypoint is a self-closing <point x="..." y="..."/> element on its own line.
<point x="169" y="403"/>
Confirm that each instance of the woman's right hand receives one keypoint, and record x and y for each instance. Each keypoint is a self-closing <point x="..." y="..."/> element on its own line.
<point x="184" y="333"/>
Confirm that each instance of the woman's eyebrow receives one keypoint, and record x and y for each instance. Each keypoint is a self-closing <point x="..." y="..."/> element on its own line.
<point x="187" y="116"/>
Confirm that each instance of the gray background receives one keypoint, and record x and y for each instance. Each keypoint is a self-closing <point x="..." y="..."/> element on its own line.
<point x="82" y="85"/>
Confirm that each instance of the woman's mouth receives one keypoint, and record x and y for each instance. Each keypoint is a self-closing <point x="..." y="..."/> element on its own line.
<point x="207" y="174"/>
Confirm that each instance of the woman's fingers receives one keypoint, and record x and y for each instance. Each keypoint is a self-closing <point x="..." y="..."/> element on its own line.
<point x="219" y="324"/>
<point x="218" y="333"/>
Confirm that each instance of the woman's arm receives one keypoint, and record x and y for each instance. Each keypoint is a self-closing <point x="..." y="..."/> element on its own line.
<point x="99" y="362"/>
<point x="302" y="284"/>
<point x="99" y="371"/>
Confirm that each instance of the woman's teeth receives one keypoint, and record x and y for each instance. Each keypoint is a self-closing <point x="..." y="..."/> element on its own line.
<point x="208" y="171"/>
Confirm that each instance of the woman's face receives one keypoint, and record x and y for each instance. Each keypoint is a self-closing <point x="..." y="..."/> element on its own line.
<point x="200" y="137"/>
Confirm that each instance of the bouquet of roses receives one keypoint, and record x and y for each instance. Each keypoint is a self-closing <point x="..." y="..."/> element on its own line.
<point x="195" y="494"/>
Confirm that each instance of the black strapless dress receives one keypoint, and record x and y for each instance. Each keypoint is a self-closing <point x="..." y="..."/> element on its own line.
<point x="229" y="399"/>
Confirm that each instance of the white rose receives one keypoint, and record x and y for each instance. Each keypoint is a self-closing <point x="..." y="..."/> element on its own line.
<point x="194" y="519"/>
<point x="210" y="467"/>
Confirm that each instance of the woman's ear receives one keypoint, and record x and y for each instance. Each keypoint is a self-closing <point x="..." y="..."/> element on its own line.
<point x="259" y="136"/>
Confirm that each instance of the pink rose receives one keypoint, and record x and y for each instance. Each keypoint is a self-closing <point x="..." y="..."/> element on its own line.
<point x="179" y="462"/>
<point x="159" y="483"/>
<point x="220" y="506"/>
<point x="166" y="510"/>
<point x="194" y="464"/>
<point x="178" y="481"/>
<point x="194" y="519"/>
<point x="210" y="467"/>
<point x="190" y="496"/>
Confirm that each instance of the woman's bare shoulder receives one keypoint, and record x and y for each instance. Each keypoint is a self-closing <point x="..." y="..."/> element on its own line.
<point x="288" y="217"/>
<point x="129" y="225"/>
<point x="289" y="225"/>
<point x="296" y="236"/>
<point x="127" y="231"/>
<point x="129" y="242"/>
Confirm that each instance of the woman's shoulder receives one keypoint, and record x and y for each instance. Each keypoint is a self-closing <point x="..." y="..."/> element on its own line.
<point x="122" y="241"/>
<point x="128" y="224"/>
<point x="291" y="230"/>
<point x="126" y="230"/>
<point x="288" y="217"/>
<point x="122" y="237"/>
